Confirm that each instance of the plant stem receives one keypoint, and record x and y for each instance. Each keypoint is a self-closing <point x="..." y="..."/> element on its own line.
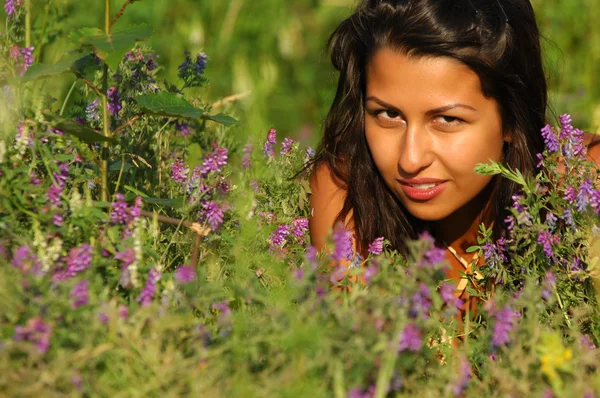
<point x="386" y="371"/>
<point x="62" y="108"/>
<point x="105" y="121"/>
<point x="89" y="84"/>
<point x="27" y="23"/>
<point x="38" y="50"/>
<point x="121" y="11"/>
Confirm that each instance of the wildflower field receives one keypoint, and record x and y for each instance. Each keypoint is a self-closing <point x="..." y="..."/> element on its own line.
<point x="153" y="231"/>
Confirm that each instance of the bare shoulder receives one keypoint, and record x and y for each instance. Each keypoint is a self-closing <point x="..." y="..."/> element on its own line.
<point x="326" y="202"/>
<point x="592" y="141"/>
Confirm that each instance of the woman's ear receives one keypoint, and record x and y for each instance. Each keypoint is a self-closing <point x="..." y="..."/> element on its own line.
<point x="507" y="136"/>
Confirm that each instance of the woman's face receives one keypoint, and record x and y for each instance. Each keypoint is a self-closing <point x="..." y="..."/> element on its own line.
<point x="428" y="125"/>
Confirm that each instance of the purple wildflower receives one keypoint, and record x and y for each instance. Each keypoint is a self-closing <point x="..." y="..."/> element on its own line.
<point x="337" y="275"/>
<point x="53" y="193"/>
<point x="309" y="154"/>
<point x="567" y="217"/>
<point x="183" y="128"/>
<point x="123" y="312"/>
<point x="570" y="194"/>
<point x="421" y="302"/>
<point x="584" y="195"/>
<point x="9" y="7"/>
<point x="464" y="375"/>
<point x="78" y="260"/>
<point x="311" y="255"/>
<point x="410" y="339"/>
<point x="370" y="272"/>
<point x="223" y="309"/>
<point x="300" y="225"/>
<point x="114" y="102"/>
<point x="103" y="318"/>
<point x="35" y="331"/>
<point x="278" y="237"/>
<point x="185" y="274"/>
<point x="447" y="293"/>
<point x="358" y="392"/>
<point x="28" y="57"/>
<point x="551" y="220"/>
<point x="343" y="243"/>
<point x="57" y="220"/>
<point x="549" y="284"/>
<point x="299" y="274"/>
<point x="246" y="159"/>
<point x="505" y="321"/>
<point x="127" y="257"/>
<point x="119" y="213"/>
<point x="546" y="239"/>
<point x="213" y="214"/>
<point x="510" y="223"/>
<point x="434" y="255"/>
<point x="191" y="71"/>
<point x="286" y="146"/>
<point x="179" y="171"/>
<point x="214" y="161"/>
<point x="376" y="247"/>
<point x="574" y="138"/>
<point x="586" y="343"/>
<point x="492" y="255"/>
<point x="577" y="265"/>
<point x="91" y="111"/>
<point x="550" y="139"/>
<point x="34" y="179"/>
<point x="25" y="260"/>
<point x="223" y="187"/>
<point x="149" y="289"/>
<point x="270" y="143"/>
<point x="80" y="294"/>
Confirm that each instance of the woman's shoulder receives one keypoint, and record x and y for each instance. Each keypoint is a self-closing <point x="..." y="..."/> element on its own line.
<point x="592" y="142"/>
<point x="328" y="195"/>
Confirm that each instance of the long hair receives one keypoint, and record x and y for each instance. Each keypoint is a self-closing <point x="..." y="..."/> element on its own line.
<point x="498" y="39"/>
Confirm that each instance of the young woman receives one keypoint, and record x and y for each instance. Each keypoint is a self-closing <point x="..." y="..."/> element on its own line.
<point x="427" y="90"/>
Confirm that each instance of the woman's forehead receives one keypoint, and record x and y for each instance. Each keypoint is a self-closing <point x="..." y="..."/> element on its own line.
<point x="398" y="77"/>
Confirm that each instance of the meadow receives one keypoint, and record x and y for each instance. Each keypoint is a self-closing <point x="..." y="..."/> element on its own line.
<point x="153" y="223"/>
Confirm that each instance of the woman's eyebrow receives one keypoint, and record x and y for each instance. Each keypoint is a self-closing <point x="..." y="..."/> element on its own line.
<point x="442" y="109"/>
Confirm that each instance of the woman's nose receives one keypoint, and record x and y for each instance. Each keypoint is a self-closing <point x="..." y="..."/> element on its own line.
<point x="415" y="151"/>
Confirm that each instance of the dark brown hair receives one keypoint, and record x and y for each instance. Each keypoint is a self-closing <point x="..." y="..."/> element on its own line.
<point x="497" y="39"/>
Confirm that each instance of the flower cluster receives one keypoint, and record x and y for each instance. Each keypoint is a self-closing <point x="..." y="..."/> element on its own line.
<point x="150" y="288"/>
<point x="35" y="331"/>
<point x="78" y="260"/>
<point x="191" y="72"/>
<point x="122" y="213"/>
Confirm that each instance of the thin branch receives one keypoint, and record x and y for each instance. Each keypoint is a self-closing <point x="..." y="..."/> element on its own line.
<point x="121" y="11"/>
<point x="231" y="98"/>
<point x="199" y="229"/>
<point x="125" y="125"/>
<point x="196" y="251"/>
<point x="89" y="84"/>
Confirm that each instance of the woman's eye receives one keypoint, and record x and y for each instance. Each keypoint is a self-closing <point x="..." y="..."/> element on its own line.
<point x="447" y="120"/>
<point x="387" y="115"/>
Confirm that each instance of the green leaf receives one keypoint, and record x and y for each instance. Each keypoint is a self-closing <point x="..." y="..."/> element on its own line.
<point x="168" y="104"/>
<point x="38" y="71"/>
<point x="172" y="202"/>
<point x="113" y="47"/>
<point x="135" y="191"/>
<point x="221" y="118"/>
<point x="80" y="131"/>
<point x="116" y="166"/>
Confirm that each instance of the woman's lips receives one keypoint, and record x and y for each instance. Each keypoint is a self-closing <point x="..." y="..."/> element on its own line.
<point x="421" y="190"/>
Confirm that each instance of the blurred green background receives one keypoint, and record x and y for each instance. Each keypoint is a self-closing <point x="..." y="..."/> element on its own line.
<point x="276" y="49"/>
